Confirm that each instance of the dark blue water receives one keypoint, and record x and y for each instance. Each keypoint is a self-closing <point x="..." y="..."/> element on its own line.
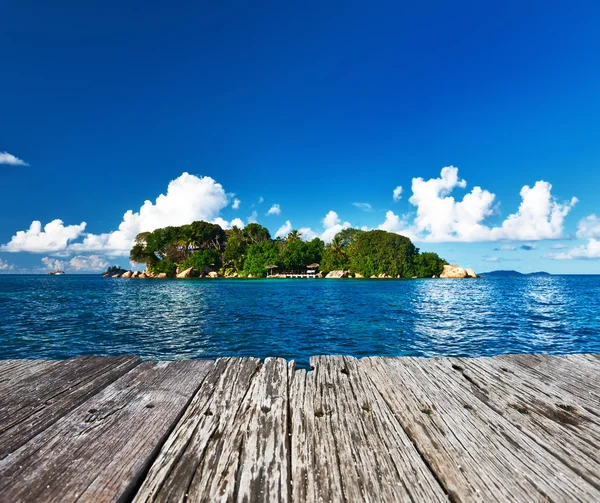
<point x="60" y="317"/>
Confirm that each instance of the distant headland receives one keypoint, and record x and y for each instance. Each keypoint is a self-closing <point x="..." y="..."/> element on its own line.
<point x="204" y="249"/>
<point x="510" y="273"/>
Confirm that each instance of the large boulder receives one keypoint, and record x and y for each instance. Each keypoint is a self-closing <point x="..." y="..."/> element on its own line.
<point x="188" y="273"/>
<point x="136" y="274"/>
<point x="142" y="275"/>
<point x="455" y="271"/>
<point x="162" y="275"/>
<point x="213" y="274"/>
<point x="116" y="275"/>
<point x="337" y="274"/>
<point x="127" y="274"/>
<point x="358" y="275"/>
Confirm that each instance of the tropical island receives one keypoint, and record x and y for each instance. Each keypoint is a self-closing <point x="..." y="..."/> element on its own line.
<point x="203" y="248"/>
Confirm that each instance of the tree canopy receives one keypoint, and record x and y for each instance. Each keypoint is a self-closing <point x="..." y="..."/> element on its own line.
<point x="250" y="250"/>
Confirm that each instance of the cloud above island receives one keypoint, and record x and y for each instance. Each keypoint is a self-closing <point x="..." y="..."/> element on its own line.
<point x="442" y="218"/>
<point x="434" y="215"/>
<point x="54" y="237"/>
<point x="188" y="198"/>
<point x="11" y="160"/>
<point x="274" y="210"/>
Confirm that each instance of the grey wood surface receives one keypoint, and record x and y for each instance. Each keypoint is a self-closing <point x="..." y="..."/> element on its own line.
<point x="508" y="428"/>
<point x="467" y="439"/>
<point x="41" y="398"/>
<point x="346" y="443"/>
<point x="13" y="371"/>
<point x="101" y="449"/>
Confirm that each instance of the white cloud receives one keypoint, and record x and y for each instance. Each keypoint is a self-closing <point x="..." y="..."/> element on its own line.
<point x="332" y="224"/>
<point x="6" y="158"/>
<point x="88" y="263"/>
<point x="559" y="246"/>
<point x="441" y="218"/>
<point x="307" y="234"/>
<point x="252" y="219"/>
<point x="274" y="210"/>
<point x="397" y="224"/>
<point x="397" y="194"/>
<point x="506" y="247"/>
<point x="54" y="264"/>
<point x="284" y="230"/>
<point x="236" y="203"/>
<point x="363" y="206"/>
<point x="539" y="216"/>
<point x="261" y="200"/>
<point x="54" y="237"/>
<point x="492" y="259"/>
<point x="5" y="266"/>
<point x="589" y="251"/>
<point x="188" y="198"/>
<point x="588" y="227"/>
<point x="224" y="224"/>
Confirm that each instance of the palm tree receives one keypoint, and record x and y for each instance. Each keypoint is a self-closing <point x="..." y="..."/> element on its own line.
<point x="294" y="235"/>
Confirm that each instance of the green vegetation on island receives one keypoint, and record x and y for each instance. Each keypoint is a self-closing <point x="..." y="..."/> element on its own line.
<point x="247" y="252"/>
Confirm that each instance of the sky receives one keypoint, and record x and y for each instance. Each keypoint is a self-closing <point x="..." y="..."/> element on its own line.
<point x="471" y="127"/>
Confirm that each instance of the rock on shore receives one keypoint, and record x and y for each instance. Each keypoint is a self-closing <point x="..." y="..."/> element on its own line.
<point x="337" y="274"/>
<point x="456" y="271"/>
<point x="188" y="273"/>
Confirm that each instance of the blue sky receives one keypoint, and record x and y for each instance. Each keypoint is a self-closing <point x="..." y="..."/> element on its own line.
<point x="311" y="107"/>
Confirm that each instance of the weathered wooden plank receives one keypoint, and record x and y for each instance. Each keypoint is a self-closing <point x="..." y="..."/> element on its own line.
<point x="217" y="441"/>
<point x="101" y="449"/>
<point x="476" y="453"/>
<point x="346" y="443"/>
<point x="39" y="400"/>
<point x="14" y="371"/>
<point x="544" y="413"/>
<point x="568" y="374"/>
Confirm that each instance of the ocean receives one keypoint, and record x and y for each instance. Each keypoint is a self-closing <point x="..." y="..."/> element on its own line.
<point x="56" y="317"/>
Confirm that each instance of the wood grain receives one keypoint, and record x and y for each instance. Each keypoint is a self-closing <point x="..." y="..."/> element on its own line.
<point x="38" y="400"/>
<point x="100" y="451"/>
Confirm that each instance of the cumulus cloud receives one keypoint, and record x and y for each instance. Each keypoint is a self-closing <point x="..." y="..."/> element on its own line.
<point x="332" y="225"/>
<point x="588" y="227"/>
<point x="224" y="224"/>
<point x="284" y="230"/>
<point x="5" y="266"/>
<point x="274" y="210"/>
<point x="88" y="263"/>
<point x="539" y="216"/>
<point x="441" y="218"/>
<point x="188" y="198"/>
<point x="307" y="234"/>
<point x="6" y="158"/>
<point x="589" y="251"/>
<point x="397" y="224"/>
<point x="506" y="247"/>
<point x="54" y="264"/>
<point x="236" y="203"/>
<point x="252" y="219"/>
<point x="363" y="206"/>
<point x="397" y="194"/>
<point x="54" y="237"/>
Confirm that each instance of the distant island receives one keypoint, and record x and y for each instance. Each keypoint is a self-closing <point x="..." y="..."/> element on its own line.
<point x="205" y="249"/>
<point x="507" y="274"/>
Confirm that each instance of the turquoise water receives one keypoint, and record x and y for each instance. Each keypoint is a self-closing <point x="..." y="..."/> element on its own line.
<point x="60" y="317"/>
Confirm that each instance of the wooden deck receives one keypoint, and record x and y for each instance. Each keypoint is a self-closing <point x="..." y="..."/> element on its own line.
<point x="510" y="428"/>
